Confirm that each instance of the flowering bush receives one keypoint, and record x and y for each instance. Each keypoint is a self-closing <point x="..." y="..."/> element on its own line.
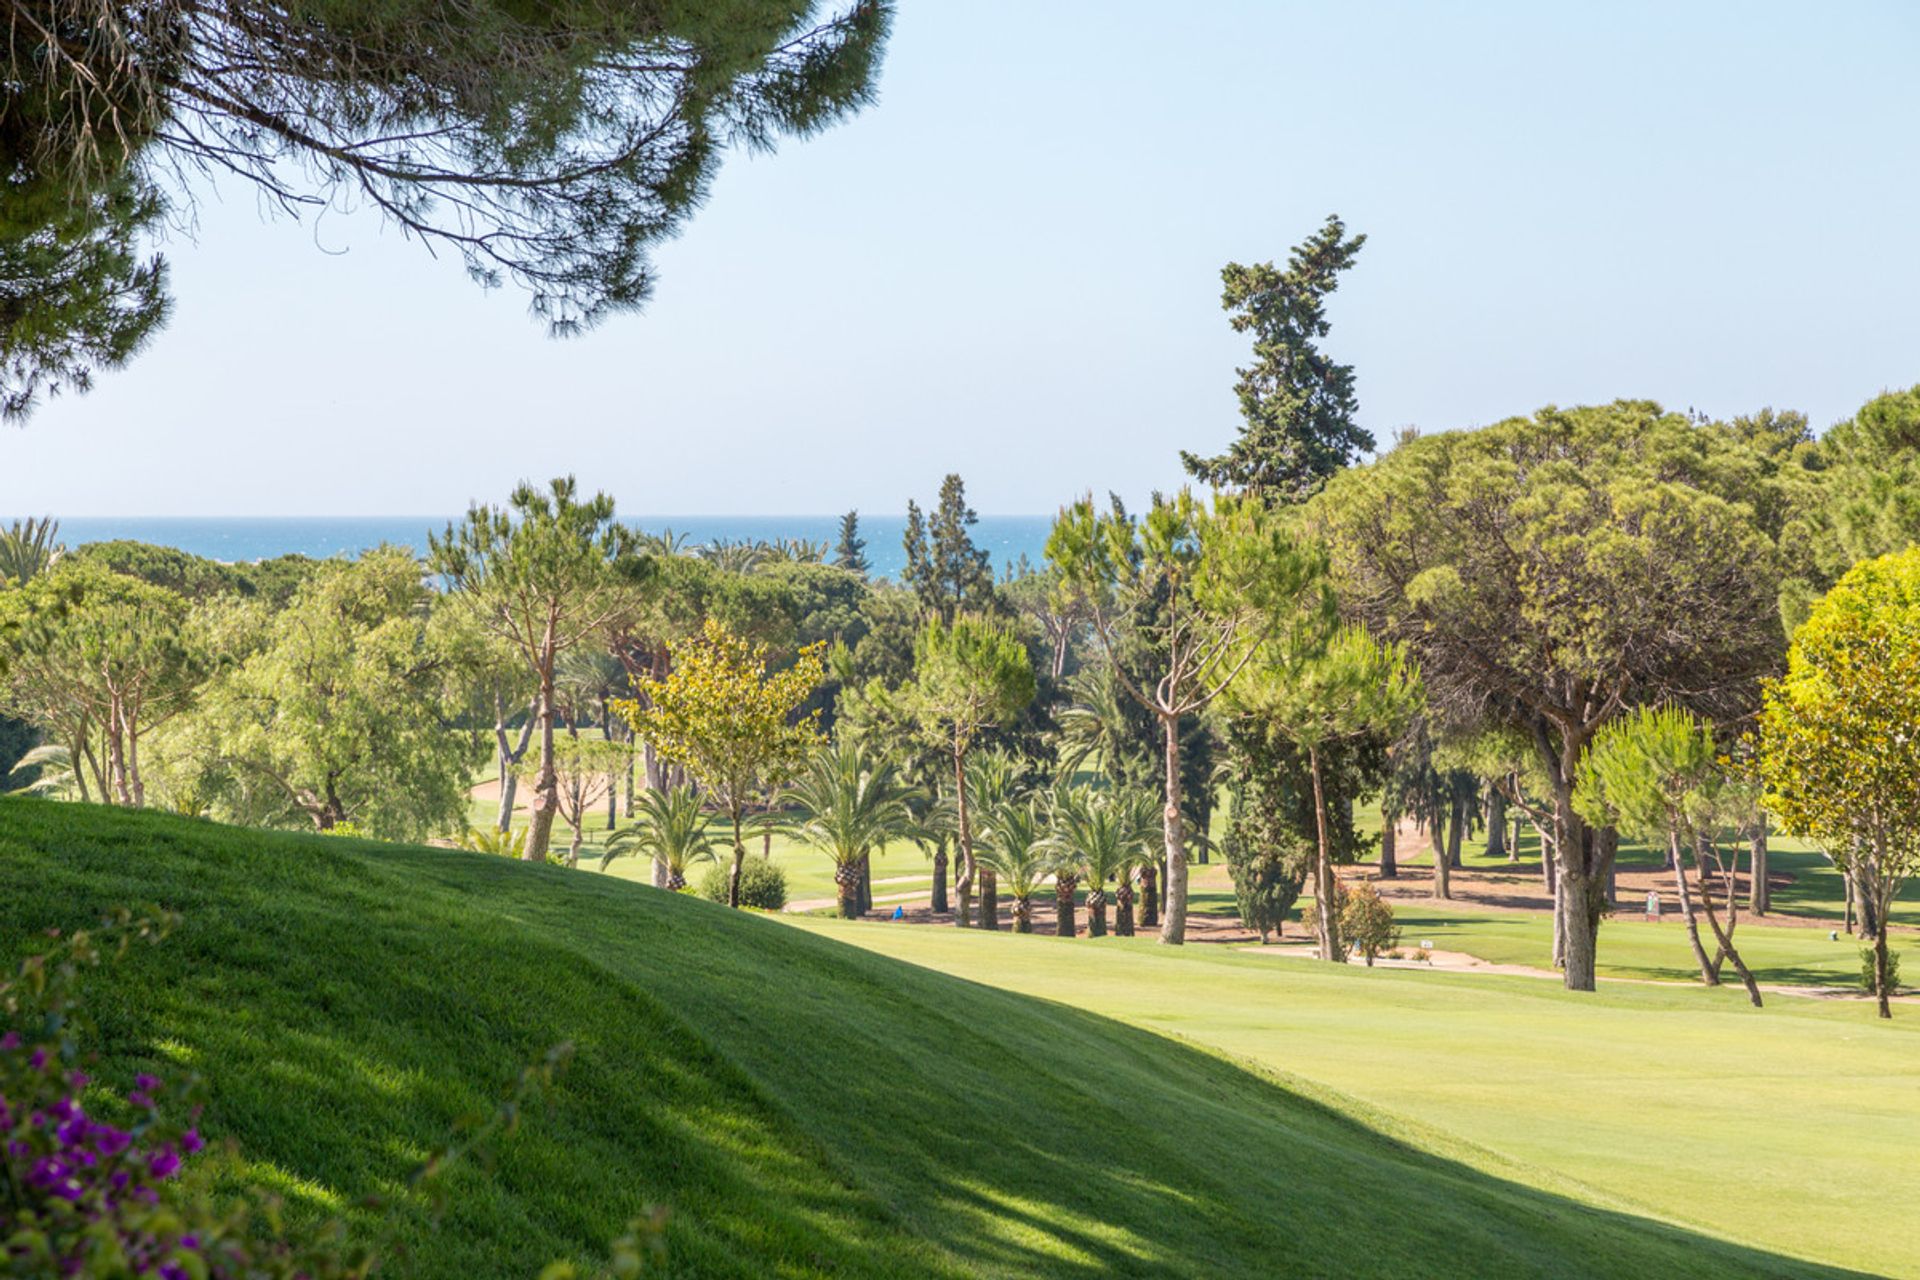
<point x="85" y="1195"/>
<point x="99" y="1188"/>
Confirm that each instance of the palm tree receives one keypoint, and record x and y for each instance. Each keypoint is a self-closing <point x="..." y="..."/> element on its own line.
<point x="850" y="804"/>
<point x="1100" y="836"/>
<point x="797" y="550"/>
<point x="589" y="681"/>
<point x="56" y="776"/>
<point x="993" y="779"/>
<point x="673" y="827"/>
<point x="1014" y="845"/>
<point x="662" y="544"/>
<point x="27" y="548"/>
<point x="735" y="556"/>
<point x="1096" y="724"/>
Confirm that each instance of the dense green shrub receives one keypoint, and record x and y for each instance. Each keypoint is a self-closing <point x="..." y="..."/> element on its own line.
<point x="1867" y="970"/>
<point x="763" y="885"/>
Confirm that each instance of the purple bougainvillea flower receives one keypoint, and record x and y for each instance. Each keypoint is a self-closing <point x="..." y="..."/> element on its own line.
<point x="190" y="1141"/>
<point x="165" y="1163"/>
<point x="10" y="1041"/>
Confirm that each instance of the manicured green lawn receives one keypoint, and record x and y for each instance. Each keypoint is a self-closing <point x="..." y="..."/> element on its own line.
<point x="1792" y="1128"/>
<point x="811" y="1108"/>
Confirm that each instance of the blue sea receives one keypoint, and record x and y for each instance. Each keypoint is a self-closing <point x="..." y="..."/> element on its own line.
<point x="237" y="539"/>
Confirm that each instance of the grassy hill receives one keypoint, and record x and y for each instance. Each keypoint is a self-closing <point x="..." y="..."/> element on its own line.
<point x="805" y="1107"/>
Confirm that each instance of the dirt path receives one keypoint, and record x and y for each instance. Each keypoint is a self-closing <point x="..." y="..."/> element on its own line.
<point x="1461" y="962"/>
<point x="1520" y="886"/>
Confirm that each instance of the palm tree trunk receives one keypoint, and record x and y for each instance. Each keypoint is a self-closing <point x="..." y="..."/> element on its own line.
<point x="939" y="903"/>
<point x="1149" y="896"/>
<point x="989" y="899"/>
<point x="1123" y="906"/>
<point x="1022" y="913"/>
<point x="1096" y="910"/>
<point x="846" y="878"/>
<point x="1063" y="905"/>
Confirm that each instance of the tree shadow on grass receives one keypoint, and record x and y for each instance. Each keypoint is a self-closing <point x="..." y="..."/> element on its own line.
<point x="805" y="1107"/>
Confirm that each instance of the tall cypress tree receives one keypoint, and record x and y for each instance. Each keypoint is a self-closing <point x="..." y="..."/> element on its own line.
<point x="945" y="570"/>
<point x="851" y="552"/>
<point x="1298" y="405"/>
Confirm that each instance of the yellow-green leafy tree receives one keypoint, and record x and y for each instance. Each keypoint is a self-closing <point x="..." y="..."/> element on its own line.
<point x="1839" y="736"/>
<point x="732" y="723"/>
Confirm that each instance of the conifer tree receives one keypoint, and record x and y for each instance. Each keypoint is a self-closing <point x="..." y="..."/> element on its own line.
<point x="547" y="145"/>
<point x="851" y="552"/>
<point x="945" y="570"/>
<point x="1298" y="405"/>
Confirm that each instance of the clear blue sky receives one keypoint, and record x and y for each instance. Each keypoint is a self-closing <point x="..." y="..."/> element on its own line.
<point x="1009" y="267"/>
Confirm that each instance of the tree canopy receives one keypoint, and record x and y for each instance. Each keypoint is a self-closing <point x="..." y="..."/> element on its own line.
<point x="1549" y="572"/>
<point x="551" y="146"/>
<point x="1297" y="405"/>
<point x="1838" y="752"/>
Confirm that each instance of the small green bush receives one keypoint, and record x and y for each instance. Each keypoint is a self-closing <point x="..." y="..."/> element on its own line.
<point x="1867" y="970"/>
<point x="763" y="885"/>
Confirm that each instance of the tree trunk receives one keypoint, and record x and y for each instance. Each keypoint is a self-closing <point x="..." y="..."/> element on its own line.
<point x="866" y="883"/>
<point x="1326" y="898"/>
<point x="134" y="784"/>
<point x="1022" y="914"/>
<point x="963" y="841"/>
<point x="939" y="903"/>
<point x="1882" y="979"/>
<point x="1389" y="849"/>
<point x="1123" y="906"/>
<point x="1063" y="905"/>
<point x="573" y="846"/>
<point x="117" y="754"/>
<point x="505" y="758"/>
<point x="1442" y="880"/>
<point x="1865" y="892"/>
<point x="1724" y="937"/>
<point x="1581" y="887"/>
<point x="1708" y="974"/>
<point x="1149" y="896"/>
<point x="739" y="860"/>
<point x="546" y="789"/>
<point x="1096" y="910"/>
<point x="1759" y="892"/>
<point x="1496" y="823"/>
<point x="846" y="878"/>
<point x="1173" y="928"/>
<point x="989" y="899"/>
<point x="662" y="873"/>
<point x="1846" y="886"/>
<point x="1456" y="831"/>
<point x="1513" y="845"/>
